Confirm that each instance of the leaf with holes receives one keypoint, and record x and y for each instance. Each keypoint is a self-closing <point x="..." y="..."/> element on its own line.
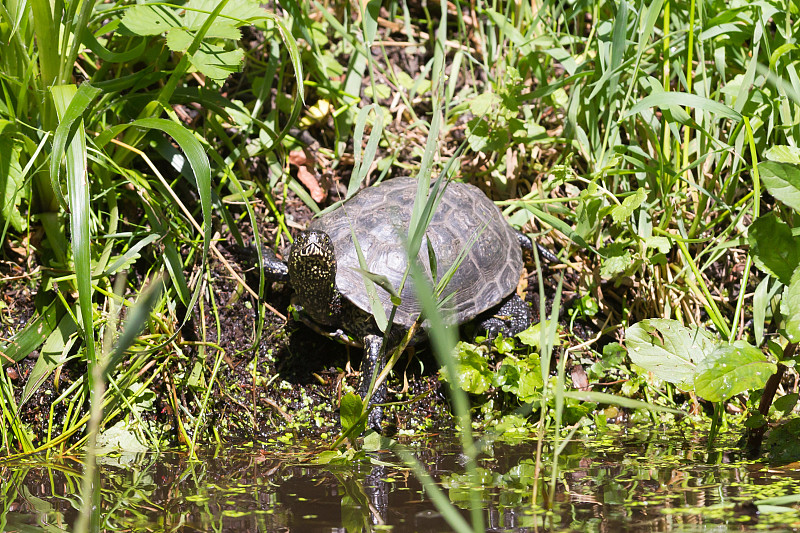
<point x="212" y="59"/>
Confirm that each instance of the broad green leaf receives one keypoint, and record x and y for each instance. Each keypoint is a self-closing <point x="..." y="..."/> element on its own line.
<point x="615" y="260"/>
<point x="781" y="153"/>
<point x="120" y="437"/>
<point x="239" y="10"/>
<point x="773" y="247"/>
<point x="783" y="446"/>
<point x="532" y="336"/>
<point x="182" y="27"/>
<point x="350" y="410"/>
<point x="478" y="134"/>
<point x="210" y="59"/>
<point x="521" y="377"/>
<point x="730" y="370"/>
<point x="179" y="40"/>
<point x="786" y="403"/>
<point x="472" y="369"/>
<point x="782" y="180"/>
<point x="222" y="26"/>
<point x="482" y="104"/>
<point x="150" y="19"/>
<point x="755" y="421"/>
<point x="669" y="349"/>
<point x="382" y="92"/>
<point x="623" y="212"/>
<point x="217" y="64"/>
<point x="530" y="385"/>
<point x="790" y="307"/>
<point x="662" y="244"/>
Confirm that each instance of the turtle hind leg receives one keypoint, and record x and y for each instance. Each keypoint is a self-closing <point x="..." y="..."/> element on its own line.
<point x="372" y="364"/>
<point x="511" y="317"/>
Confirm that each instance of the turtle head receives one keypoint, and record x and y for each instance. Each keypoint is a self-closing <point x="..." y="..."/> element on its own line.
<point x="312" y="271"/>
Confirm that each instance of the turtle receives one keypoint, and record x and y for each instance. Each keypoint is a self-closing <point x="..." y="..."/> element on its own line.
<point x="329" y="288"/>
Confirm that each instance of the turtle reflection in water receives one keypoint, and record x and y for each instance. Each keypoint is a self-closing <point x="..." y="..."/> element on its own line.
<point x="324" y="270"/>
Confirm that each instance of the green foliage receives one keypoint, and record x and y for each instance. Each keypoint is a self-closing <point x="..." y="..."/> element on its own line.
<point x="520" y="376"/>
<point x="774" y="248"/>
<point x="351" y="411"/>
<point x="790" y="307"/>
<point x="472" y="370"/>
<point x="668" y="349"/>
<point x="12" y="184"/>
<point x="498" y="121"/>
<point x="516" y="380"/>
<point x="782" y="179"/>
<point x="81" y="167"/>
<point x="730" y="370"/>
<point x="783" y="442"/>
<point x="693" y="360"/>
<point x="648" y="149"/>
<point x="183" y="24"/>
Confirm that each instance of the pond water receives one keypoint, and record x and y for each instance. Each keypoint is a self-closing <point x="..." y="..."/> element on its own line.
<point x="644" y="480"/>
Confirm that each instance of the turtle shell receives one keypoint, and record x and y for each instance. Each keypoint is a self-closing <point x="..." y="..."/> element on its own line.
<point x="380" y="216"/>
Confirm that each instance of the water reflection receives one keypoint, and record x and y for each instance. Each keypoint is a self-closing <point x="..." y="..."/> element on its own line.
<point x="644" y="481"/>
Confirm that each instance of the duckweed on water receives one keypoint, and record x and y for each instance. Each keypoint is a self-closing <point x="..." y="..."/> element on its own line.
<point x="623" y="480"/>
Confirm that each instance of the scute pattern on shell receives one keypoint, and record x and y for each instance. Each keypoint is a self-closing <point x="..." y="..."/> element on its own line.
<point x="379" y="216"/>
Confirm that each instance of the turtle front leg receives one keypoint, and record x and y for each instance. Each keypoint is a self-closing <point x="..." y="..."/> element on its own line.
<point x="275" y="268"/>
<point x="510" y="318"/>
<point x="371" y="364"/>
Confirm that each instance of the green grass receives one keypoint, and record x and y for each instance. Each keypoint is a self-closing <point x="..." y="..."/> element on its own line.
<point x="640" y="141"/>
<point x="653" y="146"/>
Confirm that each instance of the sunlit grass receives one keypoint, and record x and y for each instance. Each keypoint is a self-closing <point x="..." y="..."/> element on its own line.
<point x="623" y="136"/>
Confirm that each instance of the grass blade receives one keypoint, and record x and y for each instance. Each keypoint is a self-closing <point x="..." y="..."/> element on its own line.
<point x="201" y="169"/>
<point x="68" y="121"/>
<point x="79" y="208"/>
<point x="668" y="100"/>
